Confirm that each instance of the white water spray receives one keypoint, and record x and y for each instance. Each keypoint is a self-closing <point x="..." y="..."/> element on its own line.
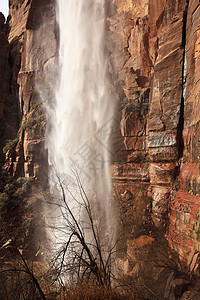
<point x="80" y="119"/>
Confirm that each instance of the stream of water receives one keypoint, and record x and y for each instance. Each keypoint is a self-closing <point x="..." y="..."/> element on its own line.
<point x="80" y="120"/>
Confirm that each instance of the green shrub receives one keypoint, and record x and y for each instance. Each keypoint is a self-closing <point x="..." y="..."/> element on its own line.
<point x="3" y="197"/>
<point x="10" y="188"/>
<point x="13" y="206"/>
<point x="21" y="180"/>
<point x="28" y="124"/>
<point x="9" y="145"/>
<point x="33" y="106"/>
<point x="128" y="105"/>
<point x="23" y="186"/>
<point x="124" y="103"/>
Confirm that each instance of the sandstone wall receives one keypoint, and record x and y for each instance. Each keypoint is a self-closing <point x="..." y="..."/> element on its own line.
<point x="154" y="59"/>
<point x="155" y="62"/>
<point x="184" y="216"/>
<point x="32" y="53"/>
<point x="3" y="63"/>
<point x="6" y="103"/>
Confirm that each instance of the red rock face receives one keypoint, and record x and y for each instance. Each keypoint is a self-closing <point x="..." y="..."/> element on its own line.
<point x="32" y="52"/>
<point x="156" y="44"/>
<point x="4" y="63"/>
<point x="165" y="111"/>
<point x="4" y="80"/>
<point x="153" y="45"/>
<point x="184" y="217"/>
<point x="149" y="59"/>
<point x="134" y="28"/>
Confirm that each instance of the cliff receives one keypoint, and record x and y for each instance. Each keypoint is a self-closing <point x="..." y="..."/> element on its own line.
<point x="8" y="103"/>
<point x="154" y="58"/>
<point x="30" y="59"/>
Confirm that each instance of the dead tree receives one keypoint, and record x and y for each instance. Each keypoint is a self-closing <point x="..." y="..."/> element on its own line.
<point x="80" y="256"/>
<point x="13" y="263"/>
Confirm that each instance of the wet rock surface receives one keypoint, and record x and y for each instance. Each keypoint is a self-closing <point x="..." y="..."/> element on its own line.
<point x="32" y="53"/>
<point x="154" y="62"/>
<point x="4" y="83"/>
<point x="157" y="46"/>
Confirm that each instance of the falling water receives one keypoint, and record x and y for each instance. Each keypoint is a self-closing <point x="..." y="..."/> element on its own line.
<point x="80" y="119"/>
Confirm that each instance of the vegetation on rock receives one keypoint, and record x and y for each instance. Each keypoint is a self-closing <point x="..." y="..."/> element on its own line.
<point x="14" y="207"/>
<point x="10" y="144"/>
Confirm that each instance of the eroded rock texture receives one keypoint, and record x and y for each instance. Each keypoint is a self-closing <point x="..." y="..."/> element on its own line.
<point x="32" y="52"/>
<point x="7" y="103"/>
<point x="184" y="217"/>
<point x="154" y="64"/>
<point x="4" y="64"/>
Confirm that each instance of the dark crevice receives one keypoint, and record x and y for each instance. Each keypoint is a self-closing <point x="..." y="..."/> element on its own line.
<point x="180" y="127"/>
<point x="27" y="4"/>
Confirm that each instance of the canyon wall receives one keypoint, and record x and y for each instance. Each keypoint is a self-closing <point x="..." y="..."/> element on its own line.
<point x="154" y="57"/>
<point x="8" y="104"/>
<point x="155" y="66"/>
<point x="32" y="53"/>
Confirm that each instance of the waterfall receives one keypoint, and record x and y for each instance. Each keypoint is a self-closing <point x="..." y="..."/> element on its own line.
<point x="80" y="118"/>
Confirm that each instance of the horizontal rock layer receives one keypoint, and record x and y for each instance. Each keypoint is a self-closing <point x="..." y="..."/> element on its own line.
<point x="32" y="53"/>
<point x="154" y="63"/>
<point x="158" y="51"/>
